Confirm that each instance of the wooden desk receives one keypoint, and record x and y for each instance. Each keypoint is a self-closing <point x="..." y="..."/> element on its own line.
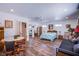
<point x="19" y="44"/>
<point x="12" y="39"/>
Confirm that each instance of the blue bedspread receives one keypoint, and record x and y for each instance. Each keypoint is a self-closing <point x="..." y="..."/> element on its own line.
<point x="50" y="36"/>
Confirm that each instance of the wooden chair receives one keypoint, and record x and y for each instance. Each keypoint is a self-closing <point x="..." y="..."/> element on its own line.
<point x="20" y="47"/>
<point x="1" y="47"/>
<point x="9" y="48"/>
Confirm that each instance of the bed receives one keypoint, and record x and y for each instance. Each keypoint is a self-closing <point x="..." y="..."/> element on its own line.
<point x="49" y="36"/>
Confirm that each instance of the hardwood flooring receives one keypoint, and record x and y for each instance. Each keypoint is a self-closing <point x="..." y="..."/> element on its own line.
<point x="37" y="47"/>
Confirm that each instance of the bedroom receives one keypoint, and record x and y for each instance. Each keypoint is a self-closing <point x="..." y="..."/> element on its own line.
<point x="42" y="25"/>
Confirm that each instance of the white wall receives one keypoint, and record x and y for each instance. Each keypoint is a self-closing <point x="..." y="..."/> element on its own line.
<point x="62" y="28"/>
<point x="16" y="19"/>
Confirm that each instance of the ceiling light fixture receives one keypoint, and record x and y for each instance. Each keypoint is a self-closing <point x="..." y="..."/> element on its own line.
<point x="67" y="17"/>
<point x="65" y="10"/>
<point x="44" y="26"/>
<point x="58" y="25"/>
<point x="57" y="18"/>
<point x="12" y="10"/>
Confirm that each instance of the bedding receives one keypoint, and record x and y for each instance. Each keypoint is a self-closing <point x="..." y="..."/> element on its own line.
<point x="30" y="32"/>
<point x="49" y="36"/>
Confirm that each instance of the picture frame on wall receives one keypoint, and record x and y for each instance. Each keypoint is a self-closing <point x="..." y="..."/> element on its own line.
<point x="8" y="24"/>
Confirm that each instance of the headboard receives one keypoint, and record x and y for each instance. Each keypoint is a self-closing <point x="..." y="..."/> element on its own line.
<point x="52" y="31"/>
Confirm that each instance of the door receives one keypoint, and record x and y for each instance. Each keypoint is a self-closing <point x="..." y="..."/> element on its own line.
<point x="24" y="29"/>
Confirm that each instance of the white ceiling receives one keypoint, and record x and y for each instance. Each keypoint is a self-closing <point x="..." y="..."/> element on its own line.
<point x="40" y="11"/>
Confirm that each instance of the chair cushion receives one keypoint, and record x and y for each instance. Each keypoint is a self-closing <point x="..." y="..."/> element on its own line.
<point x="76" y="48"/>
<point x="9" y="46"/>
<point x="76" y="42"/>
<point x="67" y="44"/>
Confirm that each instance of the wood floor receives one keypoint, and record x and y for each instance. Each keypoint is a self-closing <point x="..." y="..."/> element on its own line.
<point x="37" y="47"/>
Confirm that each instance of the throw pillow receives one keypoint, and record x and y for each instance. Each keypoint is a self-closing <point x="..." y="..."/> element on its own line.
<point x="76" y="48"/>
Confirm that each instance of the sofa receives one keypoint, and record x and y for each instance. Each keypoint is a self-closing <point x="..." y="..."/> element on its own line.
<point x="66" y="48"/>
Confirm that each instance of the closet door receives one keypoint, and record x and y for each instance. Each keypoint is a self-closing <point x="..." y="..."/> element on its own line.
<point x="1" y="39"/>
<point x="39" y="30"/>
<point x="24" y="29"/>
<point x="1" y="33"/>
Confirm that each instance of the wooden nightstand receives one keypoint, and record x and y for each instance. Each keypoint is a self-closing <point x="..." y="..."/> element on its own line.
<point x="60" y="36"/>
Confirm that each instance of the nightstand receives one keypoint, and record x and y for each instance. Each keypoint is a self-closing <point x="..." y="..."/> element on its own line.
<point x="60" y="36"/>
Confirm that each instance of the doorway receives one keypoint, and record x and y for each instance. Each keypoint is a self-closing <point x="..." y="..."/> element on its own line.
<point x="24" y="30"/>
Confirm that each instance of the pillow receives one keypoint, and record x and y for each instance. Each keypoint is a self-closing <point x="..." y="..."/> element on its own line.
<point x="76" y="48"/>
<point x="75" y="41"/>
